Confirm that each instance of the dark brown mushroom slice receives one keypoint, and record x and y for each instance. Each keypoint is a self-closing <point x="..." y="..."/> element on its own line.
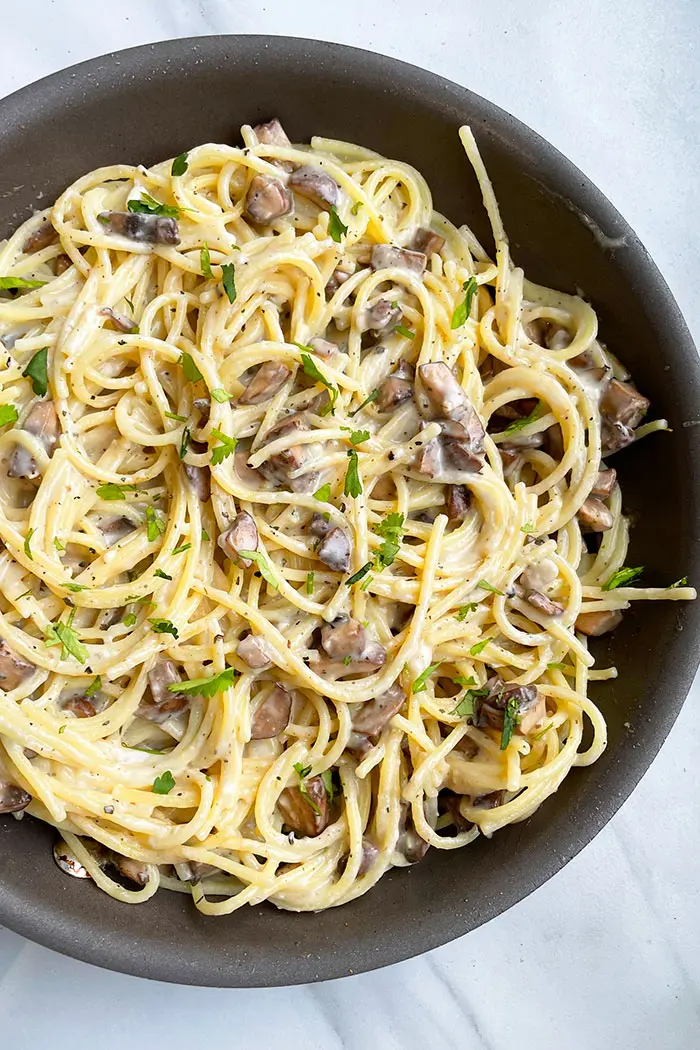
<point x="271" y="133"/>
<point x="394" y="390"/>
<point x="120" y="321"/>
<point x="141" y="227"/>
<point x="110" y="618"/>
<point x="344" y="638"/>
<point x="135" y="871"/>
<point x="386" y="256"/>
<point x="427" y="241"/>
<point x="335" y="550"/>
<point x="458" y="502"/>
<point x="343" y="271"/>
<point x="323" y="347"/>
<point x="272" y="715"/>
<point x="14" y="669"/>
<point x="13" y="799"/>
<point x="162" y="703"/>
<point x="438" y="394"/>
<point x="594" y="516"/>
<point x="604" y="483"/>
<point x="305" y="482"/>
<point x="490" y="710"/>
<point x="297" y="810"/>
<point x="62" y="263"/>
<point x="267" y="381"/>
<point x="200" y="481"/>
<point x="491" y="800"/>
<point x="41" y="237"/>
<point x="370" y="852"/>
<point x="267" y="199"/>
<point x="247" y="474"/>
<point x="115" y="528"/>
<point x="241" y="536"/>
<point x="622" y="403"/>
<point x="379" y="316"/>
<point x="463" y="443"/>
<point x="255" y="651"/>
<point x="451" y="802"/>
<point x="429" y="459"/>
<point x="543" y="603"/>
<point x="410" y="844"/>
<point x="42" y="423"/>
<point x="358" y="745"/>
<point x="68" y="862"/>
<point x="316" y="185"/>
<point x="203" y="407"/>
<point x="594" y="624"/>
<point x="371" y="717"/>
<point x="294" y="456"/>
<point x="79" y="705"/>
<point x="319" y="525"/>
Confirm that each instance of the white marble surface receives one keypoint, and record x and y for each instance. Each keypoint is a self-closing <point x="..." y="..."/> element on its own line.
<point x="607" y="953"/>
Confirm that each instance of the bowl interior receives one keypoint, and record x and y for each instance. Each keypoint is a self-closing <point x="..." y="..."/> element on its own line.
<point x="155" y="101"/>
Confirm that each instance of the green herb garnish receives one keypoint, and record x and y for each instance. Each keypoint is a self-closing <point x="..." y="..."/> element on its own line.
<point x="76" y="587"/>
<point x="27" y="541"/>
<point x="403" y="330"/>
<point x="336" y="226"/>
<point x="111" y="492"/>
<point x="621" y="577"/>
<point x="205" y="261"/>
<point x="9" y="283"/>
<point x="683" y="582"/>
<point x="356" y="207"/>
<point x="37" y="372"/>
<point x="419" y="686"/>
<point x="510" y="720"/>
<point x="8" y="414"/>
<point x="164" y="784"/>
<point x="324" y="493"/>
<point x="466" y="609"/>
<point x="228" y="279"/>
<point x="262" y="564"/>
<point x="190" y="369"/>
<point x="58" y="545"/>
<point x="367" y="401"/>
<point x="63" y="634"/>
<point x="559" y="667"/>
<point x="353" y="485"/>
<point x="218" y="683"/>
<point x="220" y="395"/>
<point x="465" y="707"/>
<point x="220" y="452"/>
<point x="310" y="583"/>
<point x="479" y="647"/>
<point x="311" y="369"/>
<point x="179" y="165"/>
<point x="391" y="531"/>
<point x="186" y="546"/>
<point x="129" y="620"/>
<point x="303" y="772"/>
<point x="150" y="206"/>
<point x="359" y="574"/>
<point x="174" y="415"/>
<point x="518" y="424"/>
<point x="462" y="311"/>
<point x="164" y="627"/>
<point x="528" y="527"/>
<point x="94" y="687"/>
<point x="486" y="586"/>
<point x="358" y="436"/>
<point x="155" y="526"/>
<point x="162" y="575"/>
<point x="185" y="442"/>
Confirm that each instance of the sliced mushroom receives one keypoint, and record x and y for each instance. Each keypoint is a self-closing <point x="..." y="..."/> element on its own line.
<point x="41" y="237"/>
<point x="255" y="651"/>
<point x="293" y="457"/>
<point x="271" y="133"/>
<point x="14" y="669"/>
<point x="596" y="623"/>
<point x="203" y="407"/>
<point x="540" y="575"/>
<point x="335" y="550"/>
<point x="305" y="482"/>
<point x="622" y="408"/>
<point x="248" y="475"/>
<point x="317" y="185"/>
<point x="79" y="705"/>
<point x="379" y="316"/>
<point x="371" y="717"/>
<point x="452" y="803"/>
<point x="395" y="389"/>
<point x="41" y="423"/>
<point x="162" y="703"/>
<point x="242" y="536"/>
<point x="344" y="638"/>
<point x="138" y="226"/>
<point x="323" y="347"/>
<point x="370" y="852"/>
<point x="489" y="710"/>
<point x="344" y="270"/>
<point x="120" y="321"/>
<point x="544" y="604"/>
<point x="135" y="871"/>
<point x="458" y="501"/>
<point x="308" y="814"/>
<point x="68" y="862"/>
<point x="492" y="800"/>
<point x="115" y="528"/>
<point x="319" y="525"/>
<point x="200" y="481"/>
<point x="463" y="442"/>
<point x="272" y="716"/>
<point x="110" y="617"/>
<point x="429" y="459"/>
<point x="604" y="483"/>
<point x="594" y="516"/>
<point x="385" y="256"/>
<point x="427" y="241"/>
<point x="62" y="263"/>
<point x="267" y="199"/>
<point x="269" y="378"/>
<point x="439" y="395"/>
<point x="410" y="844"/>
<point x="13" y="799"/>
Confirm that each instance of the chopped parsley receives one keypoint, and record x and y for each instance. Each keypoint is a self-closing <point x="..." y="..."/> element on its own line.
<point x="186" y="546"/>
<point x="486" y="586"/>
<point x="185" y="442"/>
<point x="37" y="372"/>
<point x="27" y="541"/>
<point x="303" y="772"/>
<point x="310" y="583"/>
<point x="465" y="707"/>
<point x="419" y="686"/>
<point x="391" y="531"/>
<point x="155" y="526"/>
<point x="150" y="206"/>
<point x="162" y="575"/>
<point x="462" y="311"/>
<point x="404" y="331"/>
<point x="263" y="566"/>
<point x="221" y="452"/>
<point x="111" y="492"/>
<point x="129" y="620"/>
<point x="353" y="485"/>
<point x="312" y="370"/>
<point x="559" y="667"/>
<point x="510" y="720"/>
<point x="174" y="415"/>
<point x="546" y="729"/>
<point x="94" y="687"/>
<point x="479" y="647"/>
<point x="163" y="626"/>
<point x="356" y="207"/>
<point x="356" y="577"/>
<point x="8" y="414"/>
<point x="205" y="261"/>
<point x="683" y="582"/>
<point x="220" y="395"/>
<point x="190" y="369"/>
<point x="228" y="279"/>
<point x="622" y="577"/>
<point x="76" y="587"/>
<point x="358" y="436"/>
<point x="324" y="493"/>
<point x="528" y="527"/>
<point x="58" y="545"/>
<point x="9" y="283"/>
<point x="218" y="683"/>
<point x="465" y="680"/>
<point x="63" y="634"/>
<point x="179" y="165"/>
<point x="519" y="424"/>
<point x="466" y="609"/>
<point x="367" y="401"/>
<point x="164" y="784"/>
<point x="336" y="226"/>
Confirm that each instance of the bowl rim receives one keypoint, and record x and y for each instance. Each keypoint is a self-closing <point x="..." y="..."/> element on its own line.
<point x="592" y="207"/>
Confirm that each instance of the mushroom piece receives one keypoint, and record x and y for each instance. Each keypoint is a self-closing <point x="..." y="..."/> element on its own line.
<point x="269" y="378"/>
<point x="319" y="526"/>
<point x="540" y="575"/>
<point x="267" y="199"/>
<point x="594" y="624"/>
<point x="293" y="457"/>
<point x="203" y="407"/>
<point x="409" y="843"/>
<point x="42" y="423"/>
<point x="544" y="604"/>
<point x="452" y="803"/>
<point x="370" y="852"/>
<point x="344" y="638"/>
<point x="62" y="263"/>
<point x="396" y="388"/>
<point x="427" y="241"/>
<point x="200" y="481"/>
<point x="594" y="516"/>
<point x="622" y="408"/>
<point x="379" y="316"/>
<point x="79" y="705"/>
<point x="133" y="870"/>
<point x="242" y="536"/>
<point x="162" y="703"/>
<point x="335" y="550"/>
<point x="13" y="799"/>
<point x="41" y="237"/>
<point x="317" y="185"/>
<point x="385" y="256"/>
<point x="323" y="347"/>
<point x="248" y="475"/>
<point x="255" y="651"/>
<point x="344" y="270"/>
<point x="458" y="501"/>
<point x="120" y="321"/>
<point x="68" y="862"/>
<point x="604" y="483"/>
<point x="114" y="528"/>
<point x="273" y="714"/>
<point x="439" y="395"/>
<point x="308" y="814"/>
<point x="141" y="227"/>
<point x="110" y="617"/>
<point x="14" y="669"/>
<point x="489" y="710"/>
<point x="463" y="442"/>
<point x="371" y="717"/>
<point x="492" y="800"/>
<point x="271" y="133"/>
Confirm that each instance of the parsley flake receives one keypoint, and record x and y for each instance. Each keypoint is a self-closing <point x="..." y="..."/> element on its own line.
<point x="8" y="414"/>
<point x="622" y="577"/>
<point x="94" y="687"/>
<point x="10" y="283"/>
<point x="466" y="609"/>
<point x="27" y="541"/>
<point x="162" y="575"/>
<point x="486" y="586"/>
<point x="228" y="279"/>
<point x="510" y="720"/>
<point x="62" y="634"/>
<point x="303" y="772"/>
<point x="220" y="395"/>
<point x="367" y="401"/>
<point x="190" y="369"/>
<point x="391" y="531"/>
<point x="310" y="583"/>
<point x="155" y="526"/>
<point x="324" y="493"/>
<point x="518" y="424"/>
<point x="404" y="331"/>
<point x="358" y="436"/>
<point x="179" y="165"/>
<point x="356" y="577"/>
<point x="462" y="311"/>
<point x="111" y="491"/>
<point x="353" y="485"/>
<point x="150" y="206"/>
<point x="221" y="452"/>
<point x="263" y="566"/>
<point x="184" y="443"/>
<point x="479" y="647"/>
<point x="311" y="369"/>
<point x="163" y="627"/>
<point x="205" y="261"/>
<point x="218" y="683"/>
<point x="336" y="226"/>
<point x="37" y="372"/>
<point x="164" y="784"/>
<point x="420" y="684"/>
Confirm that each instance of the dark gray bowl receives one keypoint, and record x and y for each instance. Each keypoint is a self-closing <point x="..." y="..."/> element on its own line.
<point x="154" y="101"/>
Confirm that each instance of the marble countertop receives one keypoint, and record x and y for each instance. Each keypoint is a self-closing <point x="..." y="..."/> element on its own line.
<point x="608" y="952"/>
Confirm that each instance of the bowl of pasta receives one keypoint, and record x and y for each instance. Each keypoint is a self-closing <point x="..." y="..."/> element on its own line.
<point x="340" y="602"/>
